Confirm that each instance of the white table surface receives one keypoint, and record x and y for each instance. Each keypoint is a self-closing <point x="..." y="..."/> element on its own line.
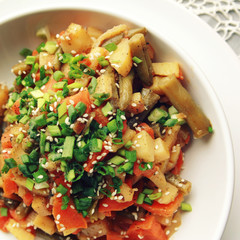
<point x="232" y="231"/>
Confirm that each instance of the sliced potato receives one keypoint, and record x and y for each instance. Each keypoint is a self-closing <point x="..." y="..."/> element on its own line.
<point x="48" y="61"/>
<point x="156" y="87"/>
<point x="39" y="205"/>
<point x="129" y="134"/>
<point x="136" y="105"/>
<point x="75" y="39"/>
<point x="94" y="32"/>
<point x="161" y="151"/>
<point x="144" y="146"/>
<point x="125" y="90"/>
<point x="46" y="224"/>
<point x="167" y="68"/>
<point x="104" y="82"/>
<point x="173" y="157"/>
<point x="168" y="194"/>
<point x="116" y="30"/>
<point x="18" y="232"/>
<point x="121" y="58"/>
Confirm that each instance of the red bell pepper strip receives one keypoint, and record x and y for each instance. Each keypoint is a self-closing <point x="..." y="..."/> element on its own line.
<point x="69" y="218"/>
<point x="16" y="107"/>
<point x="114" y="236"/>
<point x="106" y="205"/>
<point x="6" y="140"/>
<point x="3" y="222"/>
<point x="147" y="173"/>
<point x="99" y="117"/>
<point x="165" y="210"/>
<point x="147" y="128"/>
<point x="149" y="229"/>
<point x="177" y="169"/>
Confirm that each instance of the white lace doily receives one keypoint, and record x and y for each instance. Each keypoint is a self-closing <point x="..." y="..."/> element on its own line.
<point x="222" y="15"/>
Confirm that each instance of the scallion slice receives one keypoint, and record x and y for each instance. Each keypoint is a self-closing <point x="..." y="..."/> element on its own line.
<point x="61" y="189"/>
<point x="58" y="75"/>
<point x="29" y="184"/>
<point x="68" y="147"/>
<point x="54" y="130"/>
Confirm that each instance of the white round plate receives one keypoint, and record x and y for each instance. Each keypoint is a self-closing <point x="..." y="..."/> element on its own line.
<point x="175" y="35"/>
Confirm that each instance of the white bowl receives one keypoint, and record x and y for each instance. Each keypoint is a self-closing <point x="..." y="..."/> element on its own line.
<point x="209" y="161"/>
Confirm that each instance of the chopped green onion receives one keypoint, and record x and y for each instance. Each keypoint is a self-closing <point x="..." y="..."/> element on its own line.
<point x="147" y="191"/>
<point x="30" y="60"/>
<point x="72" y="113"/>
<point x="112" y="126"/>
<point x="40" y="102"/>
<point x="117" y="141"/>
<point x="59" y="85"/>
<point x="81" y="108"/>
<point x="37" y="94"/>
<point x="128" y="144"/>
<point x="42" y="142"/>
<point x="92" y="86"/>
<point x="117" y="160"/>
<point x="40" y="120"/>
<point x="29" y="184"/>
<point x="170" y="122"/>
<point x="95" y="145"/>
<point x="111" y="47"/>
<point x="54" y="156"/>
<point x="61" y="189"/>
<point x="155" y="196"/>
<point x="210" y="129"/>
<point x="40" y="176"/>
<point x="186" y="207"/>
<point x="11" y="118"/>
<point x="74" y="85"/>
<point x="50" y="47"/>
<point x="54" y="130"/>
<point x="172" y="110"/>
<point x="131" y="155"/>
<point x="107" y="109"/>
<point x="25" y="52"/>
<point x="140" y="198"/>
<point x="102" y="61"/>
<point x="68" y="147"/>
<point x="4" y="212"/>
<point x="65" y="201"/>
<point x="71" y="175"/>
<point x="122" y="152"/>
<point x="125" y="167"/>
<point x="136" y="60"/>
<point x="10" y="162"/>
<point x="19" y="137"/>
<point x="157" y="114"/>
<point x="148" y="201"/>
<point x="24" y="119"/>
<point x="57" y="75"/>
<point x="62" y="109"/>
<point x="25" y="158"/>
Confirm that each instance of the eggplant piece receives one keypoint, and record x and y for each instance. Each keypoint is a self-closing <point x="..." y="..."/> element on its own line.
<point x="144" y="69"/>
<point x="10" y="203"/>
<point x="22" y="210"/>
<point x="182" y="184"/>
<point x="150" y="99"/>
<point x="42" y="235"/>
<point x="184" y="103"/>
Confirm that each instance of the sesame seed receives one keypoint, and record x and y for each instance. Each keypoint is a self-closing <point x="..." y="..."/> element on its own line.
<point x="134" y="104"/>
<point x="140" y="236"/>
<point x="59" y="195"/>
<point x="167" y="232"/>
<point x="58" y="217"/>
<point x="105" y="205"/>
